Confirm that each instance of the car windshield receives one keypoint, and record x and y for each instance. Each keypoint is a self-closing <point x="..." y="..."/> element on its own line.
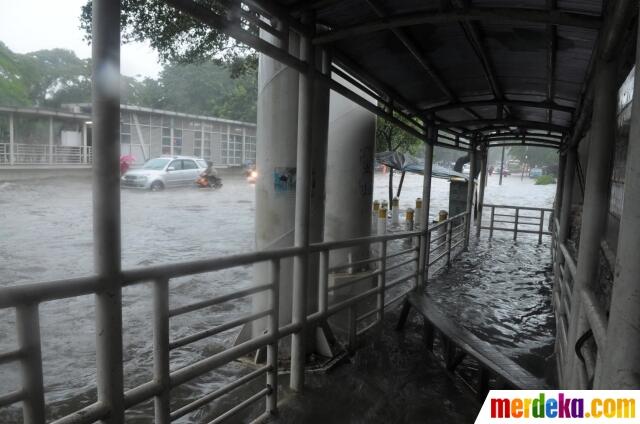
<point x="156" y="164"/>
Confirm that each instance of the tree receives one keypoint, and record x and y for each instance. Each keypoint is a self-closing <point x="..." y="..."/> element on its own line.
<point x="177" y="37"/>
<point x="390" y="138"/>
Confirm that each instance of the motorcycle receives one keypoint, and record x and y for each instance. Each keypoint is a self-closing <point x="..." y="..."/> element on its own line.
<point x="205" y="181"/>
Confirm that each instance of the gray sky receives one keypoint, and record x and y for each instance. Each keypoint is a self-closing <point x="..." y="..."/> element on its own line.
<point x="28" y="25"/>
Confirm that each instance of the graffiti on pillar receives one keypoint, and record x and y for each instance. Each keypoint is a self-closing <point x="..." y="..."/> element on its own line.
<point x="284" y="180"/>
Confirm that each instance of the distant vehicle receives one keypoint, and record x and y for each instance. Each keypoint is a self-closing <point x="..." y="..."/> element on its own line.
<point x="535" y="172"/>
<point x="506" y="172"/>
<point x="466" y="168"/>
<point x="165" y="172"/>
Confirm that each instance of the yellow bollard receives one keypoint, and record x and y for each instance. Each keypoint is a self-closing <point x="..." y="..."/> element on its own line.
<point x="409" y="219"/>
<point x="382" y="221"/>
<point x="442" y="215"/>
<point x="395" y="212"/>
<point x="374" y="217"/>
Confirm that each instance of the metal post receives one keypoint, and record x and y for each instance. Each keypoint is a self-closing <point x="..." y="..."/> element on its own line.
<point x="449" y="230"/>
<point x="85" y="154"/>
<point x="28" y="327"/>
<point x="272" y="348"/>
<point x="432" y="134"/>
<point x="541" y="226"/>
<point x="51" y="139"/>
<point x="501" y="166"/>
<point x="493" y="213"/>
<point x="382" y="278"/>
<point x="427" y="255"/>
<point x="323" y="282"/>
<point x="595" y="206"/>
<point x="162" y="402"/>
<point x="515" y="226"/>
<point x="244" y="138"/>
<point x="12" y="158"/>
<point x="619" y="364"/>
<point x="302" y="214"/>
<point x="470" y="190"/>
<point x="483" y="183"/>
<point x="562" y="161"/>
<point x="106" y="205"/>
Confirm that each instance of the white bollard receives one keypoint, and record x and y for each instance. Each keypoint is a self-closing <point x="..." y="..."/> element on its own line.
<point x="382" y="221"/>
<point x="418" y="213"/>
<point x="374" y="217"/>
<point x="395" y="212"/>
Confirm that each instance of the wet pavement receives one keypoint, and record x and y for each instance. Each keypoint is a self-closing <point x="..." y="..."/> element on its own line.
<point x="46" y="235"/>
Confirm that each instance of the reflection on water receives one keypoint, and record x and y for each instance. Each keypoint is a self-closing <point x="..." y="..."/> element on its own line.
<point x="46" y="234"/>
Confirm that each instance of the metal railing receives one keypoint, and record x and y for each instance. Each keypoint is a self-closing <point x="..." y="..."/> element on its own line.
<point x="590" y="311"/>
<point x="519" y="219"/>
<point x="44" y="154"/>
<point x="396" y="273"/>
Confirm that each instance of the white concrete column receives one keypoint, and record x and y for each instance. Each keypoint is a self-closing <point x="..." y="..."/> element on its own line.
<point x="51" y="139"/>
<point x="620" y="368"/>
<point x="228" y="162"/>
<point x="11" y="140"/>
<point x="595" y="206"/>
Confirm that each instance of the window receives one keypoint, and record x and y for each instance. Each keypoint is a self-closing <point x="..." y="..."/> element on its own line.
<point x="125" y="128"/>
<point x="166" y="141"/>
<point x="176" y="164"/>
<point x="189" y="164"/>
<point x="177" y="141"/>
<point x="197" y="144"/>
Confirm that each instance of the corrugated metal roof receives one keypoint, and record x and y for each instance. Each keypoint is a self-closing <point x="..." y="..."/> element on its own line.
<point x="517" y="54"/>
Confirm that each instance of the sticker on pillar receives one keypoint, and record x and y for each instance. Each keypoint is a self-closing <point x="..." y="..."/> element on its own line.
<point x="284" y="180"/>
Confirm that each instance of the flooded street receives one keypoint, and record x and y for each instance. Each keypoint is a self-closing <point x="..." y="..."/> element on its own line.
<point x="46" y="234"/>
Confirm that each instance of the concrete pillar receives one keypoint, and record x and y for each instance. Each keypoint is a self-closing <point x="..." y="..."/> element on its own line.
<point x="470" y="190"/>
<point x="620" y="368"/>
<point x="302" y="214"/>
<point x="12" y="156"/>
<point x="51" y="139"/>
<point x="349" y="176"/>
<point x="562" y="161"/>
<point x="106" y="204"/>
<point x="567" y="191"/>
<point x="595" y="207"/>
<point x="432" y="135"/>
<point x="277" y="128"/>
<point x="483" y="183"/>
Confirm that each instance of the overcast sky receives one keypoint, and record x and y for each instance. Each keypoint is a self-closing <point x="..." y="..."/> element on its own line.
<point x="28" y="25"/>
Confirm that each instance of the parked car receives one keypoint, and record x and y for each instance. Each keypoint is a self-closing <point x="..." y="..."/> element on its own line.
<point x="165" y="172"/>
<point x="535" y="173"/>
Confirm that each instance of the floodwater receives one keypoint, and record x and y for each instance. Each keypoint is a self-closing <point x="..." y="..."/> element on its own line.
<point x="46" y="234"/>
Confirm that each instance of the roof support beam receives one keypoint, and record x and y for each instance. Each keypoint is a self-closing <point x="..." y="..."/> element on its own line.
<point x="551" y="60"/>
<point x="506" y="123"/>
<point x="514" y="16"/>
<point x="419" y="56"/>
<point x="515" y="103"/>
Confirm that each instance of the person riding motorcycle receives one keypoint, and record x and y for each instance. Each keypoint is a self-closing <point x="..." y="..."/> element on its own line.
<point x="211" y="175"/>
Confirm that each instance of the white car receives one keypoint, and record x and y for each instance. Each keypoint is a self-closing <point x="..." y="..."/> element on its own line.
<point x="165" y="172"/>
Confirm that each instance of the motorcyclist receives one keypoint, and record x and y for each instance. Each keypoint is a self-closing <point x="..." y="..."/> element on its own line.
<point x="210" y="174"/>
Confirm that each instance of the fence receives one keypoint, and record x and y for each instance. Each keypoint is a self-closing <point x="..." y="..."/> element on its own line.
<point x="591" y="313"/>
<point x="525" y="220"/>
<point x="44" y="154"/>
<point x="396" y="273"/>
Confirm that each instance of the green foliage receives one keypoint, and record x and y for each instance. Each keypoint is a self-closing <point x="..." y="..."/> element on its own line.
<point x="391" y="138"/>
<point x="536" y="156"/>
<point x="53" y="77"/>
<point x="177" y="37"/>
<point x="545" y="180"/>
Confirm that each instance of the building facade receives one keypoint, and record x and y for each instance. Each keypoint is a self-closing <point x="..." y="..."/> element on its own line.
<point x="41" y="137"/>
